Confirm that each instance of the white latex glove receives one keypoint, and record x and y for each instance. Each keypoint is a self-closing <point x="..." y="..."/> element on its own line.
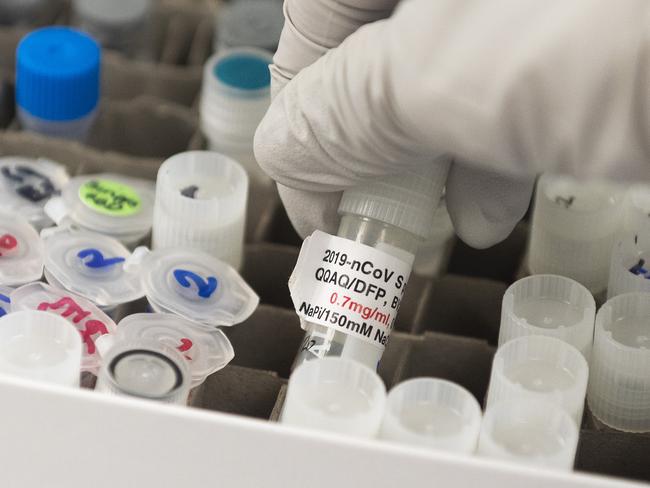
<point x="509" y="88"/>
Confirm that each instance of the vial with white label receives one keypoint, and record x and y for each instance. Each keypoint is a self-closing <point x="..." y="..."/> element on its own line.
<point x="200" y="204"/>
<point x="433" y="413"/>
<point x="21" y="251"/>
<point x="27" y="184"/>
<point x="57" y="82"/>
<point x="249" y="23"/>
<point x="574" y="227"/>
<point x="235" y="96"/>
<point x="145" y="369"/>
<point x="114" y="205"/>
<point x="385" y="221"/>
<point x="336" y="395"/>
<point x="40" y="346"/>
<point x="549" y="305"/>
<point x="91" y="265"/>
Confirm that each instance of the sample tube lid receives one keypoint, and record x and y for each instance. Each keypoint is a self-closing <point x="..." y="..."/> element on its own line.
<point x="27" y="184"/>
<point x="91" y="265"/>
<point x="5" y="300"/>
<point x="194" y="285"/>
<point x="21" y="251"/>
<point x="89" y="320"/>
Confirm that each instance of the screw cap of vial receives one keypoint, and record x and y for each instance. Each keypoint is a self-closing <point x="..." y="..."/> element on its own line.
<point x="433" y="413"/>
<point x="336" y="395"/>
<point x="21" y="251"/>
<point x="40" y="346"/>
<point x="619" y="386"/>
<point x="543" y="369"/>
<point x="549" y="305"/>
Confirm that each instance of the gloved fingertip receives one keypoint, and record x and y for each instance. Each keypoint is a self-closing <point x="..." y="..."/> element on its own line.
<point x="310" y="211"/>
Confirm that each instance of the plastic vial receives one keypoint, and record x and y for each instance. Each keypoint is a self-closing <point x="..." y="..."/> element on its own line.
<point x="619" y="387"/>
<point x="543" y="369"/>
<point x="249" y="23"/>
<point x="394" y="216"/>
<point x="40" y="346"/>
<point x="529" y="432"/>
<point x="21" y="251"/>
<point x="145" y="369"/>
<point x="20" y="11"/>
<point x="92" y="266"/>
<point x="574" y="227"/>
<point x="336" y="395"/>
<point x="549" y="305"/>
<point x="114" y="205"/>
<point x="433" y="255"/>
<point x="118" y="24"/>
<point x="432" y="413"/>
<point x="27" y="184"/>
<point x="57" y="82"/>
<point x="235" y="96"/>
<point x="200" y="204"/>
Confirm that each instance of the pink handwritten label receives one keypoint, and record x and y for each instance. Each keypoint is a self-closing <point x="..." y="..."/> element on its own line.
<point x="93" y="327"/>
<point x="7" y="243"/>
<point x="72" y="308"/>
<point x="186" y="345"/>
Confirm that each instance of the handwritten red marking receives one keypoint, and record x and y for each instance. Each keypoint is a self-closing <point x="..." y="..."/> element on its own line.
<point x="8" y="242"/>
<point x="72" y="308"/>
<point x="92" y="327"/>
<point x="186" y="345"/>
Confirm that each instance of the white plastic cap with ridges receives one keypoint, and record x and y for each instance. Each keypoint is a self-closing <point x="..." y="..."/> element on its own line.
<point x="529" y="432"/>
<point x="201" y="204"/>
<point x="574" y="227"/>
<point x="433" y="413"/>
<point x="549" y="305"/>
<point x="619" y="386"/>
<point x="406" y="200"/>
<point x="336" y="395"/>
<point x="630" y="266"/>
<point x="543" y="369"/>
<point x="40" y="346"/>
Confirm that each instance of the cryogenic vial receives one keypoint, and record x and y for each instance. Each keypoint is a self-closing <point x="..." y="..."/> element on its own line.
<point x="27" y="184"/>
<point x="235" y="96"/>
<point x="117" y="206"/>
<point x="57" y="82"/>
<point x="619" y="385"/>
<point x="529" y="432"/>
<point x="337" y="395"/>
<point x="91" y="265"/>
<point x="249" y="23"/>
<point x="636" y="212"/>
<point x="194" y="285"/>
<point x="118" y="24"/>
<point x="5" y="301"/>
<point x="540" y="368"/>
<point x="145" y="369"/>
<point x="40" y="346"/>
<point x="549" y="305"/>
<point x="574" y="227"/>
<point x="201" y="204"/>
<point x="21" y="251"/>
<point x="433" y="413"/>
<point x="20" y="11"/>
<point x="629" y="270"/>
<point x="206" y="351"/>
<point x="433" y="254"/>
<point x="89" y="320"/>
<point x="347" y="289"/>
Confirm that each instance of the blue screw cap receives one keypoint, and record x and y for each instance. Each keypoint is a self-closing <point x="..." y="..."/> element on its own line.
<point x="243" y="71"/>
<point x="57" y="74"/>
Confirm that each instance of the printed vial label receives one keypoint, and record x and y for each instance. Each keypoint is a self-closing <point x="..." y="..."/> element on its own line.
<point x="110" y="198"/>
<point x="348" y="287"/>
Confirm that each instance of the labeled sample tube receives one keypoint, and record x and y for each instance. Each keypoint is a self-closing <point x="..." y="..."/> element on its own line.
<point x="392" y="216"/>
<point x="619" y="385"/>
<point x="336" y="395"/>
<point x="529" y="432"/>
<point x="544" y="369"/>
<point x="249" y="23"/>
<point x="235" y="96"/>
<point x="549" y="305"/>
<point x="574" y="227"/>
<point x="630" y="266"/>
<point x="432" y="413"/>
<point x="201" y="205"/>
<point x="21" y="251"/>
<point x="145" y="369"/>
<point x="40" y="346"/>
<point x="57" y="82"/>
<point x="118" y="24"/>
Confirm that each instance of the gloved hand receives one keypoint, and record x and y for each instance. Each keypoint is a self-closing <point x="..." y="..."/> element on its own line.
<point x="508" y="88"/>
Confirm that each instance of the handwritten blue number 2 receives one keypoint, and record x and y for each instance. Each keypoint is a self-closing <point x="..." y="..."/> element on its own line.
<point x="97" y="259"/>
<point x="206" y="288"/>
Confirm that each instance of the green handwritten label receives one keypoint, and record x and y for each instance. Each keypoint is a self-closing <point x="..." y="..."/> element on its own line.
<point x="110" y="198"/>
